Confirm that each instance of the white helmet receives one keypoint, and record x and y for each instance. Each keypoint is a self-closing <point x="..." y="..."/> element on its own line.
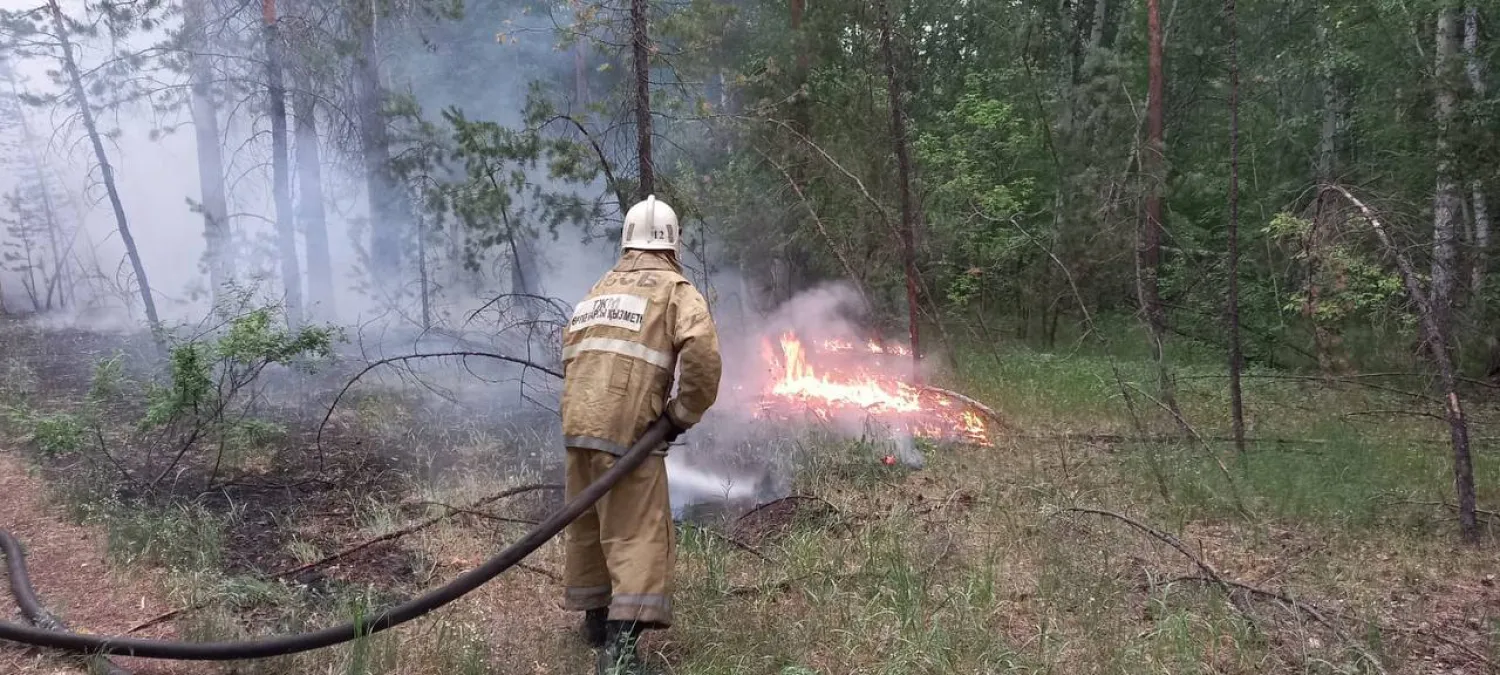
<point x="650" y="225"/>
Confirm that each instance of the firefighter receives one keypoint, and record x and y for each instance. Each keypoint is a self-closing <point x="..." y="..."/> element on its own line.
<point x="639" y="323"/>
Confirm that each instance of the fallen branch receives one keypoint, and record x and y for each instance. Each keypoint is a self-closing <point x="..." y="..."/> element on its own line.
<point x="988" y="411"/>
<point x="1182" y="422"/>
<point x="406" y="531"/>
<point x="774" y="502"/>
<point x="1161" y="438"/>
<point x="785" y="584"/>
<point x="1164" y="537"/>
<point x="1322" y="619"/>
<point x="732" y="541"/>
<point x="1300" y="606"/>
<point x="459" y="510"/>
<point x="1228" y="586"/>
<point x="1446" y="505"/>
<point x="555" y="577"/>
<point x="1491" y="665"/>
<point x="164" y="616"/>
<point x="169" y="615"/>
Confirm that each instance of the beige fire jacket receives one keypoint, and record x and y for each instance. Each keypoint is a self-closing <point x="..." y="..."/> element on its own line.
<point x="619" y="350"/>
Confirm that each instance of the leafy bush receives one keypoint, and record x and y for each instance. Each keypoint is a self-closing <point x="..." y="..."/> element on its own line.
<point x="212" y="384"/>
<point x="60" y="434"/>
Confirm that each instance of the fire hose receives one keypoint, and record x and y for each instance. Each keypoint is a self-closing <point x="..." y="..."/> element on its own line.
<point x="48" y="633"/>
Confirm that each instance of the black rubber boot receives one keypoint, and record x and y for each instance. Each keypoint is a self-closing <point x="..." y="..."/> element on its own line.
<point x="618" y="656"/>
<point x="593" y="626"/>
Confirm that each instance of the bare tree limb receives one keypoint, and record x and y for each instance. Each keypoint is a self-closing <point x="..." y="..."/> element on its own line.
<point x="412" y="357"/>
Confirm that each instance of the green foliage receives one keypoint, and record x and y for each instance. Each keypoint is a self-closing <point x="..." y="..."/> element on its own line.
<point x="63" y="433"/>
<point x="189" y="389"/>
<point x="503" y="185"/>
<point x="205" y="376"/>
<point x="973" y="153"/>
<point x="108" y="381"/>
<point x="974" y="157"/>
<point x="60" y="434"/>
<point x="1350" y="282"/>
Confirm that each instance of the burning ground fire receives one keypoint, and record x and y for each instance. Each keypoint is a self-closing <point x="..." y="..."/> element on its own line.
<point x="856" y="378"/>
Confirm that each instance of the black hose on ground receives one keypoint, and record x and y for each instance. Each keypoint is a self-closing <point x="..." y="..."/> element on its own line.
<point x="32" y="609"/>
<point x="301" y="642"/>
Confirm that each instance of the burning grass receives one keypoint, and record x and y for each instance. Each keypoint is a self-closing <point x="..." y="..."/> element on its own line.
<point x="839" y="379"/>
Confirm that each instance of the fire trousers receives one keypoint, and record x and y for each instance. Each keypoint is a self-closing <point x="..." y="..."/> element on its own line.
<point x="622" y="553"/>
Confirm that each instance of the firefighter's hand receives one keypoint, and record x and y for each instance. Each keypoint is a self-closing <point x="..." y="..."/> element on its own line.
<point x="673" y="431"/>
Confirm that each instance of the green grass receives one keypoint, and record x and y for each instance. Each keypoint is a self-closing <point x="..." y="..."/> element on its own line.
<point x="177" y="538"/>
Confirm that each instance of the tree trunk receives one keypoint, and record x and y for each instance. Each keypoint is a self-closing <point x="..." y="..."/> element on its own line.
<point x="387" y="219"/>
<point x="1236" y="358"/>
<point x="641" y="51"/>
<point x="310" y="209"/>
<point x="903" y="181"/>
<point x="216" y="230"/>
<point x="54" y="243"/>
<point x="1327" y="342"/>
<point x="107" y="172"/>
<point x="424" y="281"/>
<point x="804" y="53"/>
<point x="1447" y="204"/>
<point x="1474" y="67"/>
<point x="1432" y="336"/>
<point x="581" y="75"/>
<point x="281" y="170"/>
<point x="57" y="283"/>
<point x="1148" y="250"/>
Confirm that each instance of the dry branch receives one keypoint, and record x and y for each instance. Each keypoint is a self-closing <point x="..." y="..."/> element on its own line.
<point x="407" y="530"/>
<point x="1228" y="586"/>
<point x="732" y="541"/>
<point x="988" y="411"/>
<point x="318" y="441"/>
<point x="1435" y="336"/>
<point x="167" y="616"/>
<point x="774" y="502"/>
<point x="1164" y="537"/>
<point x="459" y="510"/>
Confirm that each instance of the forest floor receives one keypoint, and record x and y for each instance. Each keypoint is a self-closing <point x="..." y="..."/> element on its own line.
<point x="1326" y="548"/>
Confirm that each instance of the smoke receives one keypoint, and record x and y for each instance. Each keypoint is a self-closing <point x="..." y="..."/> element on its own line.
<point x="460" y="65"/>
<point x="153" y="153"/>
<point x="738" y="454"/>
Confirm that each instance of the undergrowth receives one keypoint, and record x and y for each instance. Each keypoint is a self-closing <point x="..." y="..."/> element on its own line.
<point x="972" y="565"/>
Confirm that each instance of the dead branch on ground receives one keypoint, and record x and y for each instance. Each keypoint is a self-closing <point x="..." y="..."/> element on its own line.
<point x="1229" y="586"/>
<point x="459" y="510"/>
<point x="407" y="530"/>
<point x="789" y="498"/>
<point x="732" y="541"/>
<point x="986" y="410"/>
<point x="166" y="616"/>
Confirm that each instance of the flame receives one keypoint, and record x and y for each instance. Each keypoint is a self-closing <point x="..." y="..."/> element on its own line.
<point x="801" y="381"/>
<point x="854" y="385"/>
<point x="872" y="346"/>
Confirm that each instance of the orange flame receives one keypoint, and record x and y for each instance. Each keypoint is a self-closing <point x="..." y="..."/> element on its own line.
<point x="824" y="391"/>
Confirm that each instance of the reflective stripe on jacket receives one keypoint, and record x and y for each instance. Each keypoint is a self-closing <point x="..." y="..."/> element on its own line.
<point x="621" y="346"/>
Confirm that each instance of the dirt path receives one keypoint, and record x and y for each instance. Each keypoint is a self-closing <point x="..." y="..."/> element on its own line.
<point x="73" y="579"/>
